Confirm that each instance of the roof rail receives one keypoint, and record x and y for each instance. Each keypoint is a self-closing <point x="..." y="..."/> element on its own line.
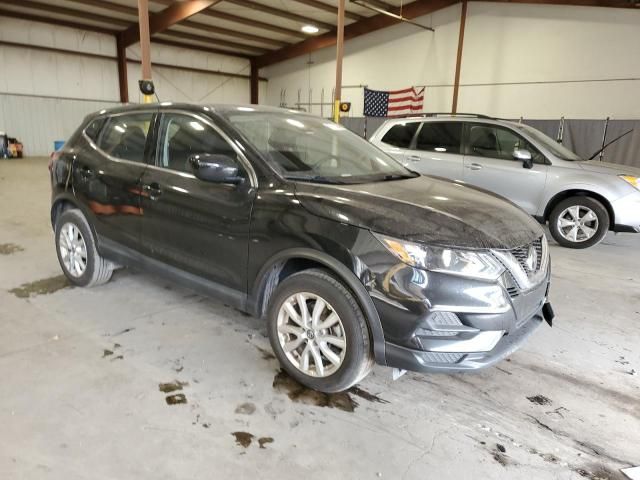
<point x="447" y="114"/>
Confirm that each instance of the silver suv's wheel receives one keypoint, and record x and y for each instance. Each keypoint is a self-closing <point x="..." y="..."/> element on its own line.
<point x="579" y="222"/>
<point x="318" y="332"/>
<point x="77" y="253"/>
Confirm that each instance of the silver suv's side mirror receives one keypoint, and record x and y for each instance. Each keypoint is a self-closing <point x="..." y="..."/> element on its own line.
<point x="524" y="156"/>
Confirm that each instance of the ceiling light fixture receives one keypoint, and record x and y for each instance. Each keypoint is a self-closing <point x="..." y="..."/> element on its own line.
<point x="310" y="29"/>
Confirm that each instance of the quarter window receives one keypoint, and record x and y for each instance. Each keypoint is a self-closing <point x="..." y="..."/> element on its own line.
<point x="125" y="136"/>
<point x="182" y="136"/>
<point x="400" y="135"/>
<point x="443" y="137"/>
<point x="93" y="129"/>
<point x="497" y="142"/>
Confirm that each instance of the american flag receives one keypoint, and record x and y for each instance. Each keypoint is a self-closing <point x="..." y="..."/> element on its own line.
<point x="396" y="102"/>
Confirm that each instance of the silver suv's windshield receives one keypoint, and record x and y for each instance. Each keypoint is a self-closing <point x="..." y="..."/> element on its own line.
<point x="557" y="149"/>
<point x="307" y="148"/>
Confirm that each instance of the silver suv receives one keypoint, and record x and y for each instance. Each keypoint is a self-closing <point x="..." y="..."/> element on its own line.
<point x="580" y="199"/>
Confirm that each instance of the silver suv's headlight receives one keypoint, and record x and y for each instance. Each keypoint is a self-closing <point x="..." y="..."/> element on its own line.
<point x="466" y="263"/>
<point x="631" y="180"/>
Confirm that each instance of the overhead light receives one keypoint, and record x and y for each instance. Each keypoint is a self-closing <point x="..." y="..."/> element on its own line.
<point x="310" y="29"/>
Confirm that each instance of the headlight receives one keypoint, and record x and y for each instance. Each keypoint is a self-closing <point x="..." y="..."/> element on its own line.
<point x="466" y="263"/>
<point x="631" y="180"/>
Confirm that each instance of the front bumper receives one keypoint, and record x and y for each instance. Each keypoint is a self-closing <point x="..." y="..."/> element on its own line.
<point x="439" y="323"/>
<point x="626" y="211"/>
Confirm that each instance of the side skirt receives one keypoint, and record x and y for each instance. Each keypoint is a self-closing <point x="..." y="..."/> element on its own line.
<point x="126" y="256"/>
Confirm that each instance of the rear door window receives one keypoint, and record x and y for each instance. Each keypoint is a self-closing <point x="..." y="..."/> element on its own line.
<point x="125" y="136"/>
<point x="94" y="128"/>
<point x="401" y="135"/>
<point x="443" y="137"/>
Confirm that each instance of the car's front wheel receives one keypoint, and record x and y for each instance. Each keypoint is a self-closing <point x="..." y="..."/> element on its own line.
<point x="77" y="253"/>
<point x="579" y="222"/>
<point x="318" y="332"/>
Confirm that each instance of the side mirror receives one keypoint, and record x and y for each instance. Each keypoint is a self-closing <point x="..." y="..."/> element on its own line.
<point x="216" y="168"/>
<point x="524" y="156"/>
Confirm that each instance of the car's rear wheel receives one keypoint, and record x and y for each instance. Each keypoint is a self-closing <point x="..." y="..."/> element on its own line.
<point x="579" y="222"/>
<point x="318" y="332"/>
<point x="77" y="253"/>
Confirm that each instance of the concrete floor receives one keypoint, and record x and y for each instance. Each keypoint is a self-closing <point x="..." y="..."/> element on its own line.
<point x="81" y="371"/>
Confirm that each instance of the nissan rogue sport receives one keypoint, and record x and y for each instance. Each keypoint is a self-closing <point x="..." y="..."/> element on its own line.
<point x="350" y="257"/>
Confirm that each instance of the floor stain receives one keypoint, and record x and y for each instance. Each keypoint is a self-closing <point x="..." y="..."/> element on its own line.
<point x="106" y="353"/>
<point x="126" y="330"/>
<point x="172" y="386"/>
<point x="262" y="441"/>
<point x="41" y="287"/>
<point x="119" y="357"/>
<point x="243" y="438"/>
<point x="298" y="393"/>
<point x="177" y="399"/>
<point x="247" y="408"/>
<point x="266" y="354"/>
<point x="367" y="395"/>
<point x="501" y="448"/>
<point x="539" y="400"/>
<point x="598" y="472"/>
<point x="9" y="248"/>
<point x="501" y="458"/>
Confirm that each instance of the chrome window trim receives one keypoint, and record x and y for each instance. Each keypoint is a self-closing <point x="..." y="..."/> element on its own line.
<point x="253" y="179"/>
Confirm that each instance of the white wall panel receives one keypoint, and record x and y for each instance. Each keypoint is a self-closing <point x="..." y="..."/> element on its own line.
<point x="45" y="95"/>
<point x="507" y="48"/>
<point x="39" y="121"/>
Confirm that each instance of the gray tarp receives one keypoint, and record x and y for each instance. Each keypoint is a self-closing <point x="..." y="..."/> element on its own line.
<point x="582" y="136"/>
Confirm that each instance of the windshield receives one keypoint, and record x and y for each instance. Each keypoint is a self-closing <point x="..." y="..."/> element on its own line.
<point x="306" y="148"/>
<point x="557" y="149"/>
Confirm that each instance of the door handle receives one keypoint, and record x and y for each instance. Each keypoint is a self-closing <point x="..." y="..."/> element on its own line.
<point x="414" y="158"/>
<point x="474" y="166"/>
<point x="152" y="189"/>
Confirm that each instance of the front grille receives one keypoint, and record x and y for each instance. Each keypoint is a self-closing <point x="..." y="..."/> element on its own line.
<point x="521" y="254"/>
<point x="526" y="265"/>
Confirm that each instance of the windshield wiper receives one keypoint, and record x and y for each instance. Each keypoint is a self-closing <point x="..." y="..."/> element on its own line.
<point x="313" y="178"/>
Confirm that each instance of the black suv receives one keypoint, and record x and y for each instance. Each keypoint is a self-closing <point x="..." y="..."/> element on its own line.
<point x="349" y="256"/>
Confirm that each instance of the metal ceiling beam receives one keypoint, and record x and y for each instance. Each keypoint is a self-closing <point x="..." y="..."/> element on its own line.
<point x="206" y="27"/>
<point x="216" y="41"/>
<point x="330" y="9"/>
<point x="55" y="21"/>
<point x="377" y="22"/>
<point x="201" y="48"/>
<point x="161" y="21"/>
<point x="212" y="13"/>
<point x="56" y="9"/>
<point x="276" y="12"/>
<point x="575" y="3"/>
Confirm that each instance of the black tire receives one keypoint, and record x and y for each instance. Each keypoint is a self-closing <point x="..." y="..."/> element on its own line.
<point x="358" y="358"/>
<point x="595" y="206"/>
<point x="98" y="269"/>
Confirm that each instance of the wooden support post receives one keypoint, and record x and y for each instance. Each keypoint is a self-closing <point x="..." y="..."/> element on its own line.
<point x="339" y="56"/>
<point x="145" y="43"/>
<point x="254" y="82"/>
<point x="122" y="70"/>
<point x="456" y="83"/>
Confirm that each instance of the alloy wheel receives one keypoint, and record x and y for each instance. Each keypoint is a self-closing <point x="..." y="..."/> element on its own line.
<point x="311" y="334"/>
<point x="73" y="249"/>
<point x="578" y="223"/>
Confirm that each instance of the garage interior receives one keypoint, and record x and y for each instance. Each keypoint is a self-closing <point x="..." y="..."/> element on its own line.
<point x="142" y="378"/>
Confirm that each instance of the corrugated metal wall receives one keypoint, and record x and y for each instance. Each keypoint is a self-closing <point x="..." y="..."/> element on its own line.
<point x="38" y="121"/>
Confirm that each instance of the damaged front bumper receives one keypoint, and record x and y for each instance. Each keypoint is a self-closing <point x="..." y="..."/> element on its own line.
<point x="438" y="323"/>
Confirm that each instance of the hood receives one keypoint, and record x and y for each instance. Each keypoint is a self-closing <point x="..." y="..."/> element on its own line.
<point x="609" y="168"/>
<point x="425" y="210"/>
